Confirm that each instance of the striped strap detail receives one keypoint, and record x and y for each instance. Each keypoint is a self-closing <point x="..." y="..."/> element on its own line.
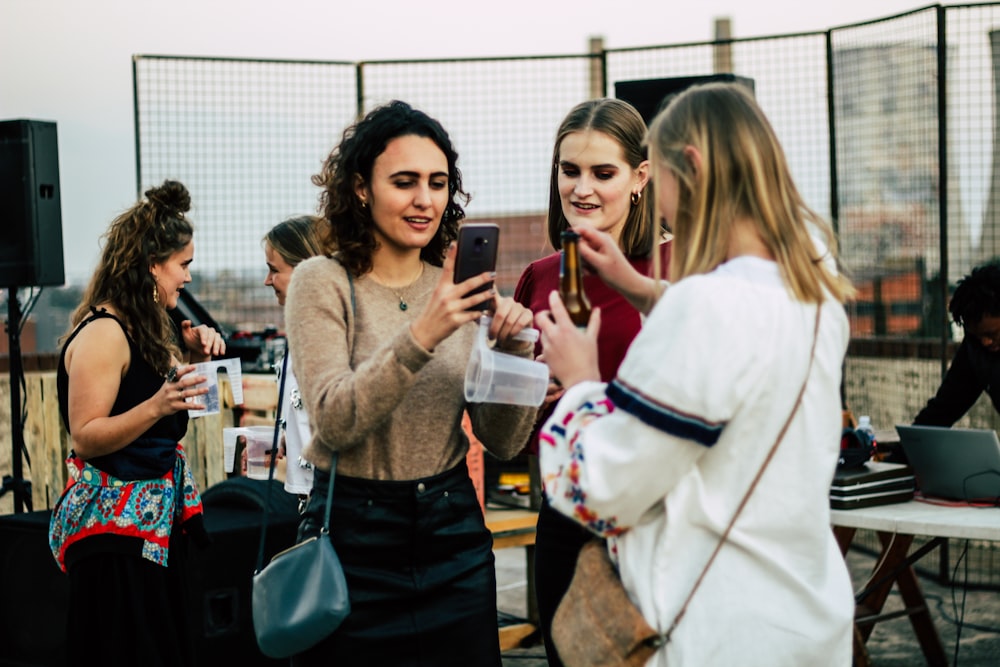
<point x="661" y="416"/>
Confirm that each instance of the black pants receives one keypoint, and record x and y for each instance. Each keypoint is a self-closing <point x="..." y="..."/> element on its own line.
<point x="558" y="540"/>
<point x="124" y="610"/>
<point x="420" y="572"/>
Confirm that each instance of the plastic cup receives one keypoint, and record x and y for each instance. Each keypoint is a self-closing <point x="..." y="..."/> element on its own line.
<point x="497" y="377"/>
<point x="229" y="448"/>
<point x="258" y="443"/>
<point x="211" y="400"/>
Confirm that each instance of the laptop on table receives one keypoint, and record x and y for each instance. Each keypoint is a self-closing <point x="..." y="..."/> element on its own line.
<point x="953" y="463"/>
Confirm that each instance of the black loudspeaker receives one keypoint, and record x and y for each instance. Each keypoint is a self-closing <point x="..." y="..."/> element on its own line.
<point x="31" y="247"/>
<point x="650" y="96"/>
<point x="34" y="593"/>
<point x="221" y="576"/>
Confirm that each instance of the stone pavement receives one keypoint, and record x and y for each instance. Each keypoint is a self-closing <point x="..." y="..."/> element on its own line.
<point x="892" y="643"/>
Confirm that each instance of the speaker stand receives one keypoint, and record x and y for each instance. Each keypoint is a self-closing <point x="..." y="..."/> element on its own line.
<point x="16" y="482"/>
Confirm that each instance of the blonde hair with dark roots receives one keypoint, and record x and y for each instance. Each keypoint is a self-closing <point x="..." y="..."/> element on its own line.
<point x="744" y="174"/>
<point x="620" y="121"/>
<point x="297" y="238"/>
<point x="149" y="232"/>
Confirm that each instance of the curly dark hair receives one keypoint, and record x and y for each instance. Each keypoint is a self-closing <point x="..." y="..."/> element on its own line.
<point x="148" y="233"/>
<point x="977" y="295"/>
<point x="351" y="231"/>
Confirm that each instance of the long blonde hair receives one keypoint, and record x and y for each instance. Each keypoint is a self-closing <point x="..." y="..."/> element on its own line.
<point x="743" y="174"/>
<point x="296" y="238"/>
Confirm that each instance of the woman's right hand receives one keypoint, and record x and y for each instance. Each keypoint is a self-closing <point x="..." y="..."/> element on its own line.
<point x="171" y="398"/>
<point x="601" y="255"/>
<point x="554" y="391"/>
<point x="446" y="312"/>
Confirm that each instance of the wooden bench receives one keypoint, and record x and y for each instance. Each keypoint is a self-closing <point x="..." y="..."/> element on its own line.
<point x="516" y="528"/>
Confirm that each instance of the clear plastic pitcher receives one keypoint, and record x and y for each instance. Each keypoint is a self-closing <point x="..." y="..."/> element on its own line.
<point x="493" y="376"/>
<point x="259" y="440"/>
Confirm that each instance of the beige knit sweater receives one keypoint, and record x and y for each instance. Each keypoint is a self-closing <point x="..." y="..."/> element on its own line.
<point x="392" y="409"/>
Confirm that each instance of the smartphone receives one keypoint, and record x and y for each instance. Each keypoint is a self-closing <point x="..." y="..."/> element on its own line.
<point x="477" y="253"/>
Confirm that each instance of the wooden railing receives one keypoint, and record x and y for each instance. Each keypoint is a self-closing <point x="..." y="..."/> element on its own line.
<point x="48" y="444"/>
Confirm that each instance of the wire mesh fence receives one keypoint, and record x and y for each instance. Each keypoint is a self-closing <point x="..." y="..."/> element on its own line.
<point x="888" y="127"/>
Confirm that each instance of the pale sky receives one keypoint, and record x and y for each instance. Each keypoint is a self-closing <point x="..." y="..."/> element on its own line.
<point x="70" y="62"/>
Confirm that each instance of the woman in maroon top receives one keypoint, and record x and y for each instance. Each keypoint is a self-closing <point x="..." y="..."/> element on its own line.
<point x="599" y="173"/>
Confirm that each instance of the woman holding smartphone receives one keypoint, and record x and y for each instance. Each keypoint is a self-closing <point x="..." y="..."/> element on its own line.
<point x="380" y="335"/>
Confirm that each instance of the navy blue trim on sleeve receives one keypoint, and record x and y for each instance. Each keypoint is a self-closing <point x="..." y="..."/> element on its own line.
<point x="662" y="417"/>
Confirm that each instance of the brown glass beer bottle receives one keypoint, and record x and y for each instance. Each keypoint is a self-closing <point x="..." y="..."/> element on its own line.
<point x="571" y="280"/>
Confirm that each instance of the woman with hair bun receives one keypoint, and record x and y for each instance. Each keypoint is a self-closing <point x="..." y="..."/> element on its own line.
<point x="119" y="529"/>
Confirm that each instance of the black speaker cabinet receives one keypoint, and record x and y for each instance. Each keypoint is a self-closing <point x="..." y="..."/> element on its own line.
<point x="34" y="593"/>
<point x="31" y="247"/>
<point x="650" y="96"/>
<point x="221" y="576"/>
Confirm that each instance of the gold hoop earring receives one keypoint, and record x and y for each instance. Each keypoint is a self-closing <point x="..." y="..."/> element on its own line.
<point x="636" y="196"/>
<point x="156" y="294"/>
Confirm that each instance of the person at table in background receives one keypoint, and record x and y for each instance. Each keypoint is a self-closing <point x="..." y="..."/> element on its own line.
<point x="659" y="459"/>
<point x="599" y="176"/>
<point x="975" y="368"/>
<point x="285" y="245"/>
<point x="120" y="527"/>
<point x="380" y="337"/>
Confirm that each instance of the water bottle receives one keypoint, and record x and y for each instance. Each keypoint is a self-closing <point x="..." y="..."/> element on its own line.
<point x="866" y="431"/>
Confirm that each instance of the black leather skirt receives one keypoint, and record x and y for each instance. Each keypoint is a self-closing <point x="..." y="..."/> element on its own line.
<point x="420" y="570"/>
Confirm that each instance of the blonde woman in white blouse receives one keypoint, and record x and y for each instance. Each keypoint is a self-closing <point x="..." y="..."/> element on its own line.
<point x="659" y="459"/>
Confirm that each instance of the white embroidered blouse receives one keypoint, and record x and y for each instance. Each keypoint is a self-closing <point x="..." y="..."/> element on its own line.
<point x="659" y="459"/>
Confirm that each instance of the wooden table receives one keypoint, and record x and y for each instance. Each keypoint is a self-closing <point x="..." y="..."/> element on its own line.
<point x="516" y="528"/>
<point x="896" y="526"/>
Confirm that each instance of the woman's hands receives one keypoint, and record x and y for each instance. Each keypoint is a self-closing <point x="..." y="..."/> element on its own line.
<point x="180" y="386"/>
<point x="509" y="319"/>
<point x="570" y="353"/>
<point x="448" y="308"/>
<point x="601" y="255"/>
<point x="201" y="342"/>
<point x="554" y="391"/>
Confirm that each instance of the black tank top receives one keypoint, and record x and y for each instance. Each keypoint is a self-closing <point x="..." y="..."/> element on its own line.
<point x="139" y="383"/>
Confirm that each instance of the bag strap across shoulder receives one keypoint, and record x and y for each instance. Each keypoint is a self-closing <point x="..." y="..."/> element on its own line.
<point x="274" y="454"/>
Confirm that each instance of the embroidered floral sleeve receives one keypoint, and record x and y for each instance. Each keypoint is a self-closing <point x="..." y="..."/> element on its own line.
<point x="564" y="462"/>
<point x="605" y="467"/>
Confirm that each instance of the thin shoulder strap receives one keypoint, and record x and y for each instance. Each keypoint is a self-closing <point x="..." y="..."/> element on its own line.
<point x="95" y="314"/>
<point x="274" y="454"/>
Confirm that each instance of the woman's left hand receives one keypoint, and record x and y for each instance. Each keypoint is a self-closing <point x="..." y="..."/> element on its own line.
<point x="202" y="342"/>
<point x="570" y="353"/>
<point x="509" y="319"/>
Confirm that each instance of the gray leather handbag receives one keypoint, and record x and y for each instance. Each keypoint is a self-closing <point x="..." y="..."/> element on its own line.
<point x="301" y="596"/>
